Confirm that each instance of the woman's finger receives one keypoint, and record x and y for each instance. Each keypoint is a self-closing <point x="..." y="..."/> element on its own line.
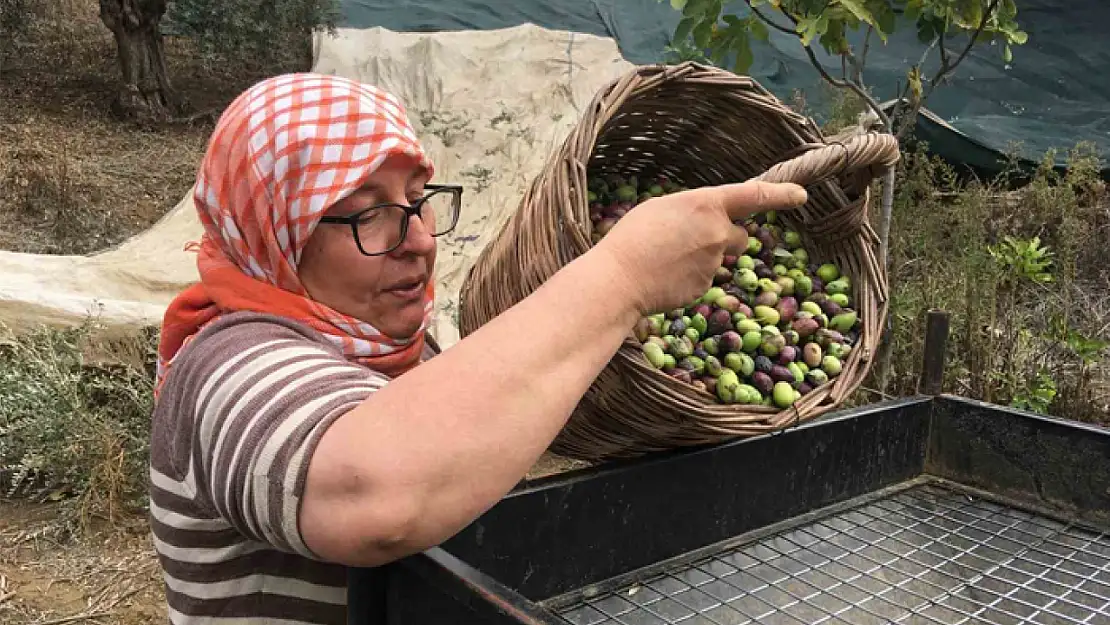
<point x="744" y="199"/>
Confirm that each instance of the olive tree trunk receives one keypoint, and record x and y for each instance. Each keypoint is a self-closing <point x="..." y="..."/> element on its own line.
<point x="146" y="92"/>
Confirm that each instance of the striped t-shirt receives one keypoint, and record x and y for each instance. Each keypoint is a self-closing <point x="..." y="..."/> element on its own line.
<point x="237" y="421"/>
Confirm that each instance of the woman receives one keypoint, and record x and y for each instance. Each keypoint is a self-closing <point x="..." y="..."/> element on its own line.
<point x="294" y="433"/>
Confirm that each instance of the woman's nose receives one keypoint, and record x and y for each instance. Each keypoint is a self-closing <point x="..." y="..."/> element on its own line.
<point x="418" y="238"/>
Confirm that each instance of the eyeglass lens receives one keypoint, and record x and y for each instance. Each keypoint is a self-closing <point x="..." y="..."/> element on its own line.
<point x="380" y="229"/>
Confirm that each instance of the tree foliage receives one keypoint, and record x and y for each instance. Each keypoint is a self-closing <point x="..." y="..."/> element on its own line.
<point x="830" y="23"/>
<point x="255" y="29"/>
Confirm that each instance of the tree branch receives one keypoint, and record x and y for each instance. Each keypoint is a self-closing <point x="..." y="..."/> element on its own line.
<point x="843" y="84"/>
<point x="975" y="35"/>
<point x="863" y="56"/>
<point x="943" y="51"/>
<point x="857" y="62"/>
<point x="847" y="84"/>
<point x="769" y="22"/>
<point x="947" y="67"/>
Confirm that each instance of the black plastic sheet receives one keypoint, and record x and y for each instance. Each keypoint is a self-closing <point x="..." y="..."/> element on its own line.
<point x="1054" y="94"/>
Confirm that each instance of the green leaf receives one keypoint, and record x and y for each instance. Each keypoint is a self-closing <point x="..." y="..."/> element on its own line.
<point x="885" y="18"/>
<point x="1019" y="37"/>
<point x="682" y="31"/>
<point x="985" y="36"/>
<point x="758" y="29"/>
<point x="807" y="29"/>
<point x="720" y="51"/>
<point x="925" y="31"/>
<point x="913" y="9"/>
<point x="678" y="5"/>
<point x="857" y="9"/>
<point x="834" y="41"/>
<point x="702" y="32"/>
<point x="695" y="7"/>
<point x="744" y="56"/>
<point x="1007" y="54"/>
<point x="971" y="14"/>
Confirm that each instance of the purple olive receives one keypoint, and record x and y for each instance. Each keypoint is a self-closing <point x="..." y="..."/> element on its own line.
<point x="730" y="341"/>
<point x="605" y="225"/>
<point x="787" y="307"/>
<point x="805" y="327"/>
<point x="763" y="382"/>
<point x="681" y="375"/>
<point x="719" y="322"/>
<point x="767" y="238"/>
<point x="787" y="355"/>
<point x="830" y="307"/>
<point x="780" y="373"/>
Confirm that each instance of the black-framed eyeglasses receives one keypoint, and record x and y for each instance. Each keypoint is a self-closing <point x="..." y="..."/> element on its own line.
<point x="381" y="228"/>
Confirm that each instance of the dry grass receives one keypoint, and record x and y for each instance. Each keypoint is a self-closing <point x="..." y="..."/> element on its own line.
<point x="45" y="578"/>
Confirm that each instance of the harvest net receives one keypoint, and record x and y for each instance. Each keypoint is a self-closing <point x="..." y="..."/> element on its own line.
<point x="694" y="125"/>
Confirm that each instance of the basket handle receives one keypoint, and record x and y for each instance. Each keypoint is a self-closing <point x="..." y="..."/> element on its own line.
<point x="868" y="155"/>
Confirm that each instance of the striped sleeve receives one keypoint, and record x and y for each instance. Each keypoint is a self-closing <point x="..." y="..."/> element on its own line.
<point x="261" y="406"/>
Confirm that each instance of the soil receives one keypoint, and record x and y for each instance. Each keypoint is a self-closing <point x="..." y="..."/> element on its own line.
<point x="109" y="576"/>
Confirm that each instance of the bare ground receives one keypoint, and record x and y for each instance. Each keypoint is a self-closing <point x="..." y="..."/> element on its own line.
<point x="110" y="576"/>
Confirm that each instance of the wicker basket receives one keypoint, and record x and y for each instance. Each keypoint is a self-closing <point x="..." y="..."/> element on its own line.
<point x="700" y="126"/>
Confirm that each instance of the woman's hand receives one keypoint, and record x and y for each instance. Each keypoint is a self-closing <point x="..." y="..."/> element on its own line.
<point x="668" y="247"/>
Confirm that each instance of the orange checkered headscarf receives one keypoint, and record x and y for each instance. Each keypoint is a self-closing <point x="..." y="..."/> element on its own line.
<point x="282" y="153"/>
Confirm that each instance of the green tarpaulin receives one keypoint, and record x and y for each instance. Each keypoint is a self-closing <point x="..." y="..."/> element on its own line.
<point x="1054" y="93"/>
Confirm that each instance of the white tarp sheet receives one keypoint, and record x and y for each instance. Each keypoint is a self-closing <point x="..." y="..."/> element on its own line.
<point x="490" y="107"/>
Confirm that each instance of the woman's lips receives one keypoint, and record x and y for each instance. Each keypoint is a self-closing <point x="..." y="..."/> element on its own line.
<point x="412" y="292"/>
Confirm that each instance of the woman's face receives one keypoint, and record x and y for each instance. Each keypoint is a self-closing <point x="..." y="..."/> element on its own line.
<point x="386" y="291"/>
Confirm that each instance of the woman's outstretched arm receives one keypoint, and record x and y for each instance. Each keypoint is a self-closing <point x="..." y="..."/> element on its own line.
<point x="424" y="456"/>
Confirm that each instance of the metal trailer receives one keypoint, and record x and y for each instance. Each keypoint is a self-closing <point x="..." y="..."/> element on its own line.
<point x="932" y="509"/>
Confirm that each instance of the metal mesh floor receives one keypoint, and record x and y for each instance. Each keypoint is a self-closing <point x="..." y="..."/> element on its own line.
<point x="926" y="555"/>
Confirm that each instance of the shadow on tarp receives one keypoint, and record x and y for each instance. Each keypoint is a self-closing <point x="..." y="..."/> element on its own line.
<point x="1054" y="95"/>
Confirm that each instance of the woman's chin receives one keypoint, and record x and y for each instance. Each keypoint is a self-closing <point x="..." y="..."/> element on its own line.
<point x="403" y="322"/>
